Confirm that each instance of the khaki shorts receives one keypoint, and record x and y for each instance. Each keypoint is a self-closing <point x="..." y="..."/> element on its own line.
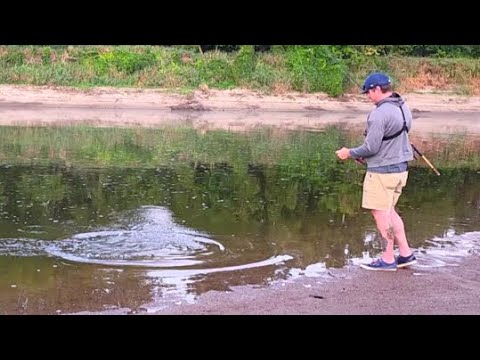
<point x="381" y="191"/>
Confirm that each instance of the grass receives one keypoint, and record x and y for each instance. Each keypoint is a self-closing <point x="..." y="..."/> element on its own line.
<point x="299" y="68"/>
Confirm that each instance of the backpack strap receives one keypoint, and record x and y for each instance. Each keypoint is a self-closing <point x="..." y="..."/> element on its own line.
<point x="404" y="128"/>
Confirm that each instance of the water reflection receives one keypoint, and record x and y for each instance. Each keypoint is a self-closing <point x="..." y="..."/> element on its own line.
<point x="142" y="230"/>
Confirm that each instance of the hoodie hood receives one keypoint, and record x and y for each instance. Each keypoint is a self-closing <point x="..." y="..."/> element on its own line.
<point x="394" y="99"/>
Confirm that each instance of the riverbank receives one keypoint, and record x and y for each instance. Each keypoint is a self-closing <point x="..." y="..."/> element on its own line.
<point x="235" y="110"/>
<point x="450" y="290"/>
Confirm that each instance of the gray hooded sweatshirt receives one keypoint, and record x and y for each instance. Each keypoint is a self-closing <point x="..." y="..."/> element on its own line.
<point x="386" y="120"/>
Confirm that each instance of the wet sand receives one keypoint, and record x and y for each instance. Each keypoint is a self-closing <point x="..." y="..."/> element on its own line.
<point x="452" y="289"/>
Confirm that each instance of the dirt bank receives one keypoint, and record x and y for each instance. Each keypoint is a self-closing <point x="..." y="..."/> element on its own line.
<point x="236" y="110"/>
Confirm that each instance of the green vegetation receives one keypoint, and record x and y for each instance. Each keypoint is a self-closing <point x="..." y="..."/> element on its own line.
<point x="335" y="70"/>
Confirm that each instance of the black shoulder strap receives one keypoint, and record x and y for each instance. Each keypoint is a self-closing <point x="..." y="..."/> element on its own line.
<point x="404" y="128"/>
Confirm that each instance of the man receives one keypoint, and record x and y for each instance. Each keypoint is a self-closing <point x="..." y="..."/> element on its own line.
<point x="386" y="151"/>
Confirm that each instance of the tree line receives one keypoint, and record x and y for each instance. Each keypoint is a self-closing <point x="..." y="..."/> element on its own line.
<point x="472" y="51"/>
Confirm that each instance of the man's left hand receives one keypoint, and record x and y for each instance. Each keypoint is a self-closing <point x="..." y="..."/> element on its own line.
<point x="343" y="153"/>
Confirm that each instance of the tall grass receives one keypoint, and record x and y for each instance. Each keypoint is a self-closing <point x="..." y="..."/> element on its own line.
<point x="335" y="70"/>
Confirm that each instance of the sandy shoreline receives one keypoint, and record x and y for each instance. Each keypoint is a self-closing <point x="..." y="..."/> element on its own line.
<point x="235" y="110"/>
<point x="449" y="290"/>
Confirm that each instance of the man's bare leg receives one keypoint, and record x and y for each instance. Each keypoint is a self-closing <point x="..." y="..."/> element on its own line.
<point x="383" y="220"/>
<point x="399" y="232"/>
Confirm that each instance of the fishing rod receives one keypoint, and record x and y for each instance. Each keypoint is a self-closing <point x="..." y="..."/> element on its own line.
<point x="425" y="159"/>
<point x="362" y="162"/>
<point x="335" y="60"/>
<point x="342" y="66"/>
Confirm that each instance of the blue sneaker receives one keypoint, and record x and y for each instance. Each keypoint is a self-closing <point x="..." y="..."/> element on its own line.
<point x="380" y="265"/>
<point x="403" y="261"/>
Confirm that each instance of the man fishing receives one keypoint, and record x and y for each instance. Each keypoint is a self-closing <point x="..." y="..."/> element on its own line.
<point x="386" y="150"/>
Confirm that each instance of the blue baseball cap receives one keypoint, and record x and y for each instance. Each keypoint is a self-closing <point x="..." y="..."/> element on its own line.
<point x="375" y="79"/>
